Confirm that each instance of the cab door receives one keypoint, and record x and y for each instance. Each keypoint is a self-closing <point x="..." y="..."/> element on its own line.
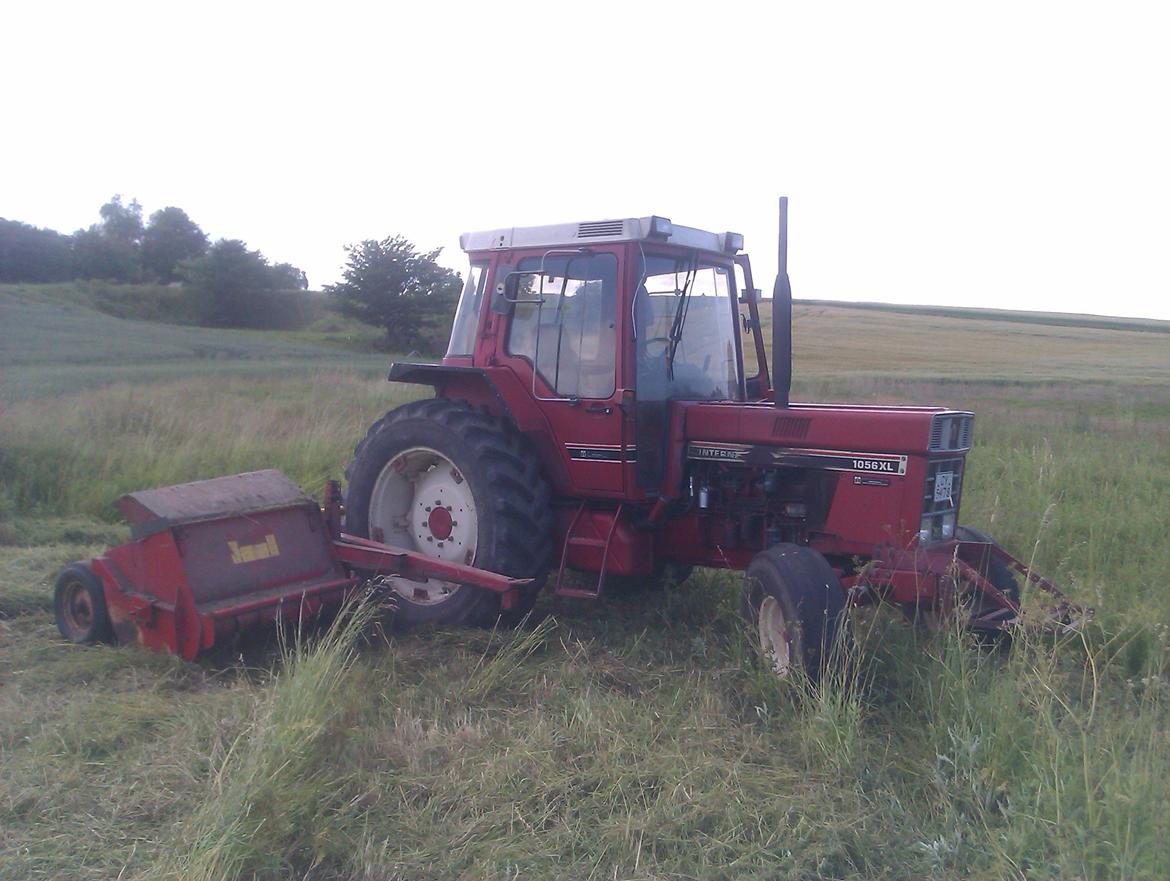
<point x="562" y="341"/>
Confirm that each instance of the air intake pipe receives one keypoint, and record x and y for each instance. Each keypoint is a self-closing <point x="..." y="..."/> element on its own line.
<point x="782" y="318"/>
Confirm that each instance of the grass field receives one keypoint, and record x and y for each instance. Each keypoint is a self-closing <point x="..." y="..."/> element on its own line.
<point x="632" y="739"/>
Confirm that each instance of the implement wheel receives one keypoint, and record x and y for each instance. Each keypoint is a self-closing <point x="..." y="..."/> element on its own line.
<point x="79" y="605"/>
<point x="450" y="481"/>
<point x="991" y="567"/>
<point x="794" y="603"/>
<point x="970" y="602"/>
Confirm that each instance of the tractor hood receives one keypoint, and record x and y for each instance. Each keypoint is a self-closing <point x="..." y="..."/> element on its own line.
<point x="845" y="427"/>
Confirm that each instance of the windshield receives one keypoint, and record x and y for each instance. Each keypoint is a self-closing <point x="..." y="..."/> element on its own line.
<point x="684" y="330"/>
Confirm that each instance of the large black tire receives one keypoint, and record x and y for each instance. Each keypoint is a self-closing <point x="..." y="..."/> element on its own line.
<point x="791" y="595"/>
<point x="513" y="534"/>
<point x="79" y="606"/>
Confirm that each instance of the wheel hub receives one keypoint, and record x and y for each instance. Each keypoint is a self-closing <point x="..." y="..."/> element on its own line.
<point x="77" y="607"/>
<point x="774" y="636"/>
<point x="422" y="501"/>
<point x="439" y="522"/>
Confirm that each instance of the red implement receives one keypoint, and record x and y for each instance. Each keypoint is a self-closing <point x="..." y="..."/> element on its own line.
<point x="213" y="557"/>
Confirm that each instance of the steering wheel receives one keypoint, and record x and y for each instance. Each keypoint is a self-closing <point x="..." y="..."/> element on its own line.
<point x="649" y="352"/>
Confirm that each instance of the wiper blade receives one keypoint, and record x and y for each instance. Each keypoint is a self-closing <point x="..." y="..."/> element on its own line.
<point x="680" y="314"/>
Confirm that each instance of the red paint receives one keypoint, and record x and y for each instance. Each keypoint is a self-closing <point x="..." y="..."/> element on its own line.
<point x="439" y="522"/>
<point x="604" y="514"/>
<point x="180" y="590"/>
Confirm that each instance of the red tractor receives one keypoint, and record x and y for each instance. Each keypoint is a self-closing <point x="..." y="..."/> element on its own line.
<point x="593" y="413"/>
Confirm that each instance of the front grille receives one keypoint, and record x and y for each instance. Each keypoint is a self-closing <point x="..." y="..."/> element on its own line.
<point x="951" y="432"/>
<point x="938" y="473"/>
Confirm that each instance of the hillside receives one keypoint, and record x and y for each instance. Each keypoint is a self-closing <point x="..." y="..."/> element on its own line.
<point x="48" y="332"/>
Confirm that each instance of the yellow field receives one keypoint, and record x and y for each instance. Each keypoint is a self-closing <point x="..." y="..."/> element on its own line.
<point x="842" y="341"/>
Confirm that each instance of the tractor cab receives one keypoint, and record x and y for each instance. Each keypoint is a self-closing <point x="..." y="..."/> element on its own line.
<point x="604" y="324"/>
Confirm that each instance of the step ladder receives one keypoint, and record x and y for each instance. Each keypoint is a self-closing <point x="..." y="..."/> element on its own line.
<point x="585" y="541"/>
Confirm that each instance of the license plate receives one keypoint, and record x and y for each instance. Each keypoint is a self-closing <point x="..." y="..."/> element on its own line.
<point x="942" y="486"/>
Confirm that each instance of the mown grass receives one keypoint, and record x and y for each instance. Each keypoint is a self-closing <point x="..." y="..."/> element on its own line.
<point x="631" y="739"/>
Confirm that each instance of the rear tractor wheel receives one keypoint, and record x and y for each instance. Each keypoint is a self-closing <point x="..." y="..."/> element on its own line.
<point x="794" y="603"/>
<point x="449" y="481"/>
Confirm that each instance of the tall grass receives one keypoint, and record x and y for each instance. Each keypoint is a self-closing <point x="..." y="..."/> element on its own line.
<point x="76" y="454"/>
<point x="276" y="798"/>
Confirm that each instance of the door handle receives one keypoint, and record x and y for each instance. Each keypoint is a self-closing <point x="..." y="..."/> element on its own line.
<point x="603" y="409"/>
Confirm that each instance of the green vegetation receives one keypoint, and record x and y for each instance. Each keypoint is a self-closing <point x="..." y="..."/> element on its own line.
<point x="629" y="739"/>
<point x="54" y="345"/>
<point x="392" y="285"/>
<point x="165" y="270"/>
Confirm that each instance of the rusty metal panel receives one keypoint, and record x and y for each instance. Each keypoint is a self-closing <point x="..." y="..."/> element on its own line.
<point x="231" y="557"/>
<point x="155" y="510"/>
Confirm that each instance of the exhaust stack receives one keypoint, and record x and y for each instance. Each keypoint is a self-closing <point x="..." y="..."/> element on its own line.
<point x="782" y="318"/>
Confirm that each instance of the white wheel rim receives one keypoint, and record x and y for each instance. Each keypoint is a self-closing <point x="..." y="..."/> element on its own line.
<point x="774" y="636"/>
<point x="422" y="502"/>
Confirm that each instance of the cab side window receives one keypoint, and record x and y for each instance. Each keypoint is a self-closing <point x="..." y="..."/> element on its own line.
<point x="564" y="320"/>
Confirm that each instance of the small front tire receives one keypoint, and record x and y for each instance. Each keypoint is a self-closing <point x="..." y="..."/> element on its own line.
<point x="794" y="603"/>
<point x="79" y="606"/>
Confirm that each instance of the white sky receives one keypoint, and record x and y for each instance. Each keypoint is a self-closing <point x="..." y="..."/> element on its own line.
<point x="1010" y="155"/>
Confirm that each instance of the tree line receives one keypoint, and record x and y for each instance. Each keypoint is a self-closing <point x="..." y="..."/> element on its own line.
<point x="387" y="283"/>
<point x="231" y="284"/>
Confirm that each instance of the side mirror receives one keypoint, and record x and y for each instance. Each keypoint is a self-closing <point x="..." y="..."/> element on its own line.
<point x="506" y="292"/>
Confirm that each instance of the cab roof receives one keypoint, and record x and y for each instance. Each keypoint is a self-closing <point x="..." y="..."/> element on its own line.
<point x="631" y="229"/>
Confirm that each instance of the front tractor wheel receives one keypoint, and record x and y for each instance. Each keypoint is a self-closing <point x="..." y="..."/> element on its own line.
<point x="449" y="481"/>
<point x="795" y="606"/>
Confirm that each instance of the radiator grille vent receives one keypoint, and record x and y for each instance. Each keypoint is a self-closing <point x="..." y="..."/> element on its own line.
<point x="795" y="427"/>
<point x="950" y="432"/>
<point x="600" y="228"/>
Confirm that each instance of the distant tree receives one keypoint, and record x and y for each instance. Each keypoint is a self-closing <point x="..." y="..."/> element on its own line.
<point x="171" y="236"/>
<point x="111" y="249"/>
<point x="97" y="255"/>
<point x="231" y="284"/>
<point x="33" y="255"/>
<point x="290" y="278"/>
<point x="392" y="285"/>
<point x="122" y="223"/>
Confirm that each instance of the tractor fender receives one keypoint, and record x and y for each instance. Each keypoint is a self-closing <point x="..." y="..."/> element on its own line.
<point x="501" y="392"/>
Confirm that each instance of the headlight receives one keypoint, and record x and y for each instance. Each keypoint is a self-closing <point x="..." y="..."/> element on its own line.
<point x="948" y="525"/>
<point x="936" y="527"/>
<point x="924" y="530"/>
